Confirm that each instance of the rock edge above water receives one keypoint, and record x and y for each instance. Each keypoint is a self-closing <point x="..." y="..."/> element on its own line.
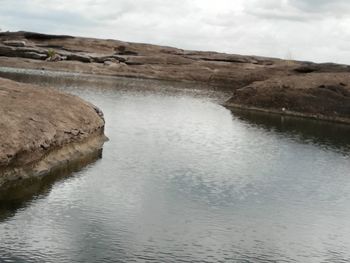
<point x="41" y="128"/>
<point x="283" y="86"/>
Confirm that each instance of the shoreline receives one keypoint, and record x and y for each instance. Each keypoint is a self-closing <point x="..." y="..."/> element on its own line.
<point x="42" y="129"/>
<point x="100" y="77"/>
<point x="187" y="85"/>
<point x="305" y="89"/>
<point x="288" y="113"/>
<point x="56" y="158"/>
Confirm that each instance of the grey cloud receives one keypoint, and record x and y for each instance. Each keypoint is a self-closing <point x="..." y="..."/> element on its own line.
<point x="274" y="10"/>
<point x="298" y="10"/>
<point x="309" y="29"/>
<point x="321" y="6"/>
<point x="39" y="16"/>
<point x="280" y="15"/>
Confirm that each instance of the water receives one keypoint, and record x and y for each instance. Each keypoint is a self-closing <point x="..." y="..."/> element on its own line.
<point x="184" y="179"/>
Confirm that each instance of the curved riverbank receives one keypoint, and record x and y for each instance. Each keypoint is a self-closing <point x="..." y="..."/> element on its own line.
<point x="42" y="129"/>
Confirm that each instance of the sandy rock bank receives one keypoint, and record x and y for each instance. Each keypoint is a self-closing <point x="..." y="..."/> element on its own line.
<point x="41" y="128"/>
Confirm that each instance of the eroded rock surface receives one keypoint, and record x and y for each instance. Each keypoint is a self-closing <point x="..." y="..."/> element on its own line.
<point x="322" y="96"/>
<point x="118" y="58"/>
<point x="41" y="128"/>
<point x="251" y="79"/>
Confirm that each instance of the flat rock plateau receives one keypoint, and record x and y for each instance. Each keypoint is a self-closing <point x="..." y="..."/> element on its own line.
<point x="307" y="89"/>
<point x="42" y="129"/>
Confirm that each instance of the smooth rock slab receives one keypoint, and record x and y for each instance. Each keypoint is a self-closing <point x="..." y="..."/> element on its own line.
<point x="316" y="95"/>
<point x="41" y="128"/>
<point x="15" y="43"/>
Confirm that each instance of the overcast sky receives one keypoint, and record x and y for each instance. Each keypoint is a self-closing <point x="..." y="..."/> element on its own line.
<point x="317" y="30"/>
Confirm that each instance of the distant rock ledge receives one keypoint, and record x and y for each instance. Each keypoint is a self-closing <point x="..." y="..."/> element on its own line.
<point x="42" y="129"/>
<point x="300" y="88"/>
<point x="323" y="96"/>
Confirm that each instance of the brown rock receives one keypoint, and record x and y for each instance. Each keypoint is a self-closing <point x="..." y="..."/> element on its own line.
<point x="79" y="57"/>
<point x="14" y="43"/>
<point x="37" y="123"/>
<point x="34" y="55"/>
<point x="325" y="95"/>
<point x="251" y="79"/>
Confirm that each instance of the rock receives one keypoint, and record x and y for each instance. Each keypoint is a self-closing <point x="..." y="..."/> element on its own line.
<point x="98" y="111"/>
<point x="108" y="63"/>
<point x="313" y="94"/>
<point x="134" y="62"/>
<point x="14" y="43"/>
<point x="122" y="50"/>
<point x="119" y="58"/>
<point x="79" y="57"/>
<point x="21" y="50"/>
<point x="228" y="58"/>
<point x="156" y="60"/>
<point x="253" y="79"/>
<point x="56" y="58"/>
<point x="309" y="67"/>
<point x="33" y="125"/>
<point x="24" y="52"/>
<point x="7" y="51"/>
<point x="306" y="69"/>
<point x="102" y="59"/>
<point x="34" y="55"/>
<point x="32" y="35"/>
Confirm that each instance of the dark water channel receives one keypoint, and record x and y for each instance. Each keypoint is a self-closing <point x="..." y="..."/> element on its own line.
<point x="184" y="179"/>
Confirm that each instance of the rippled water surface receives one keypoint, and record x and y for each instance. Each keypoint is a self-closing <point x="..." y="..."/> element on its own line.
<point x="184" y="179"/>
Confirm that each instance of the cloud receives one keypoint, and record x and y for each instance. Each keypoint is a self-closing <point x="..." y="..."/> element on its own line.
<point x="322" y="6"/>
<point x="297" y="10"/>
<point x="308" y="29"/>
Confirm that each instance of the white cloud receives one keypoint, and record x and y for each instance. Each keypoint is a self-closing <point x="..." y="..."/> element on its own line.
<point x="308" y="29"/>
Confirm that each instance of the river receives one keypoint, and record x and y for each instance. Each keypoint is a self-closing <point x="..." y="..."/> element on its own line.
<point x="183" y="179"/>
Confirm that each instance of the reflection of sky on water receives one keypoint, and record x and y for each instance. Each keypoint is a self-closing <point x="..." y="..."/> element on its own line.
<point x="183" y="178"/>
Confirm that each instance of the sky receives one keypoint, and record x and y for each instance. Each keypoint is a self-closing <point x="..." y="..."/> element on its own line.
<point x="312" y="30"/>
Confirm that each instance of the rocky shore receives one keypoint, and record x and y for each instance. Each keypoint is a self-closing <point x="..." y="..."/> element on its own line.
<point x="324" y="96"/>
<point x="282" y="86"/>
<point x="42" y="129"/>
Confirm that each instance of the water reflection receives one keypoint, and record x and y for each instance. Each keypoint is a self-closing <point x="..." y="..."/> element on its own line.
<point x="68" y="80"/>
<point x="183" y="179"/>
<point x="323" y="133"/>
<point x="19" y="194"/>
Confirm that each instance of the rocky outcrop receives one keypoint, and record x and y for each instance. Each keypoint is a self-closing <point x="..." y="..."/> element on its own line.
<point x="117" y="58"/>
<point x="240" y="75"/>
<point x="22" y="52"/>
<point x="42" y="128"/>
<point x="79" y="57"/>
<point x="321" y="96"/>
<point x="15" y="43"/>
